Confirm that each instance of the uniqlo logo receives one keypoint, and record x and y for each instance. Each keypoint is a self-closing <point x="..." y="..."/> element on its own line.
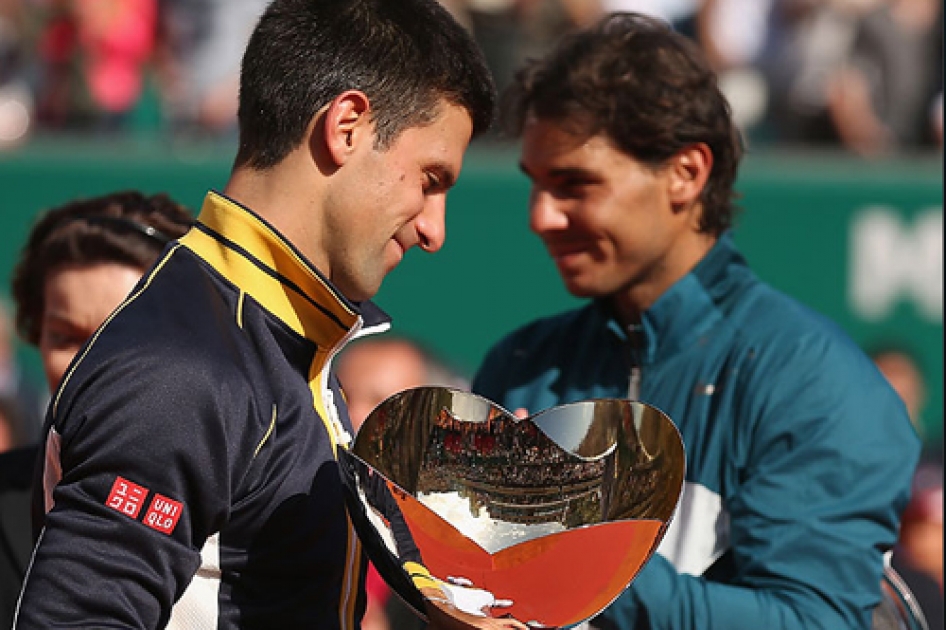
<point x="163" y="514"/>
<point x="126" y="497"/>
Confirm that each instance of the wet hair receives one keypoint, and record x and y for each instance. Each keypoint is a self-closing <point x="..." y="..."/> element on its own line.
<point x="645" y="87"/>
<point x="125" y="228"/>
<point x="407" y="56"/>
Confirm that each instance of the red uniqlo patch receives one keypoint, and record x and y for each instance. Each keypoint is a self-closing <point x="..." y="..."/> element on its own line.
<point x="163" y="514"/>
<point x="126" y="497"/>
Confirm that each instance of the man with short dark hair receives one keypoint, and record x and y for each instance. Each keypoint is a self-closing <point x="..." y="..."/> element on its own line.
<point x="799" y="455"/>
<point x="190" y="477"/>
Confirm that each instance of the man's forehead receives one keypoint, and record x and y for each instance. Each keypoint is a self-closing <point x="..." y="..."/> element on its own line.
<point x="547" y="144"/>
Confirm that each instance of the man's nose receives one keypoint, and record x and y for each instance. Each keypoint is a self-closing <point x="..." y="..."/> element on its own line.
<point x="431" y="224"/>
<point x="545" y="215"/>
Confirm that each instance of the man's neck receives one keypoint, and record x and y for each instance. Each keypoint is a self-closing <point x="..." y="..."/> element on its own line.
<point x="631" y="302"/>
<point x="276" y="194"/>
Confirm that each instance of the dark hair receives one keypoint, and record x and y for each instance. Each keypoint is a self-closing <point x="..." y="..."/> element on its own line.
<point x="126" y="228"/>
<point x="405" y="55"/>
<point x="644" y="86"/>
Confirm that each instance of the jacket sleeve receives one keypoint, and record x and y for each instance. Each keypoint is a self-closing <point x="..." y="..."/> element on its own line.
<point x="510" y="379"/>
<point x="830" y="454"/>
<point x="489" y="378"/>
<point x="148" y="467"/>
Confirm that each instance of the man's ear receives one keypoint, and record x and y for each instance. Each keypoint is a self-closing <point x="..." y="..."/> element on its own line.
<point x="688" y="170"/>
<point x="346" y="122"/>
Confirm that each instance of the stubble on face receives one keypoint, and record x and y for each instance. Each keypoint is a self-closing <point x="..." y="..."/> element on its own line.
<point x="599" y="212"/>
<point x="388" y="191"/>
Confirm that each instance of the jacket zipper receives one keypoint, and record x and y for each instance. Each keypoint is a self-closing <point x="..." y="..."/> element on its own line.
<point x="634" y="383"/>
<point x="635" y="338"/>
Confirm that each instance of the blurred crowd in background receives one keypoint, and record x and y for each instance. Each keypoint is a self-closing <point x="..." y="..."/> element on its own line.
<point x="865" y="76"/>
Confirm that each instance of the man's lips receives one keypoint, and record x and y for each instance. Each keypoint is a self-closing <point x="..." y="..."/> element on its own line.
<point x="402" y="247"/>
<point x="564" y="251"/>
<point x="399" y="251"/>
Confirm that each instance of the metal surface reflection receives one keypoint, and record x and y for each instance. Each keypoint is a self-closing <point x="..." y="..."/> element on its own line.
<point x="898" y="608"/>
<point x="551" y="516"/>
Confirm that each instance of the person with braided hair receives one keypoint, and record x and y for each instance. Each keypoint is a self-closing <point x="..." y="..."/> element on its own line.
<point x="80" y="260"/>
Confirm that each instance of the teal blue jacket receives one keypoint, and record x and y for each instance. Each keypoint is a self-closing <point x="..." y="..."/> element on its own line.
<point x="799" y="454"/>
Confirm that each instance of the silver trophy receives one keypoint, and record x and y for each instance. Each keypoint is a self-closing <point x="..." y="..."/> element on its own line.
<point x="545" y="519"/>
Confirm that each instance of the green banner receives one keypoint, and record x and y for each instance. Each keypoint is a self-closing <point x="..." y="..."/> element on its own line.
<point x="860" y="242"/>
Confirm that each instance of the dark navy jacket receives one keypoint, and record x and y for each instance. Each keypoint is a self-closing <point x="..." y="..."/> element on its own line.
<point x="191" y="477"/>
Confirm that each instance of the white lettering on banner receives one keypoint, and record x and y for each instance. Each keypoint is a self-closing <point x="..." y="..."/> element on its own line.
<point x="890" y="261"/>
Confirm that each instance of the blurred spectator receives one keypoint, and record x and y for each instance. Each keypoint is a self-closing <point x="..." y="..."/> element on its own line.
<point x="542" y="22"/>
<point x="371" y="370"/>
<point x="903" y="370"/>
<point x="678" y="13"/>
<point x="880" y="97"/>
<point x="117" y="39"/>
<point x="918" y="557"/>
<point x="822" y="73"/>
<point x="808" y="42"/>
<point x="23" y="401"/>
<point x="511" y="31"/>
<point x="200" y="49"/>
<point x="93" y="61"/>
<point x="79" y="262"/>
<point x="95" y="58"/>
<point x="16" y="96"/>
<point x="921" y="536"/>
<point x="12" y="433"/>
<point x="16" y="537"/>
<point x="860" y="75"/>
<point x="733" y="34"/>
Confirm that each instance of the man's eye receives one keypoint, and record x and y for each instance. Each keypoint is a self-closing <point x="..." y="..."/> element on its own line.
<point x="64" y="340"/>
<point x="572" y="188"/>
<point x="432" y="182"/>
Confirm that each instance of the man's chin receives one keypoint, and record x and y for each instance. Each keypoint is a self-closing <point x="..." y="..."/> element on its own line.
<point x="577" y="281"/>
<point x="359" y="293"/>
<point x="582" y="289"/>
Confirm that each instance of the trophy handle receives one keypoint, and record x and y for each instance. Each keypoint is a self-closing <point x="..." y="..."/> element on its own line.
<point x="899" y="609"/>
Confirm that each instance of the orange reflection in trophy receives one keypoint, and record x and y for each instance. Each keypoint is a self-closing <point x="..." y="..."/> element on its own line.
<point x="599" y="560"/>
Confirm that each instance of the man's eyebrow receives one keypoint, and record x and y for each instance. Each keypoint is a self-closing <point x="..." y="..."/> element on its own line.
<point x="60" y="316"/>
<point x="559" y="172"/>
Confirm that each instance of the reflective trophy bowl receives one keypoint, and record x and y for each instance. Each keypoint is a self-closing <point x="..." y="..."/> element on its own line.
<point x="546" y="519"/>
